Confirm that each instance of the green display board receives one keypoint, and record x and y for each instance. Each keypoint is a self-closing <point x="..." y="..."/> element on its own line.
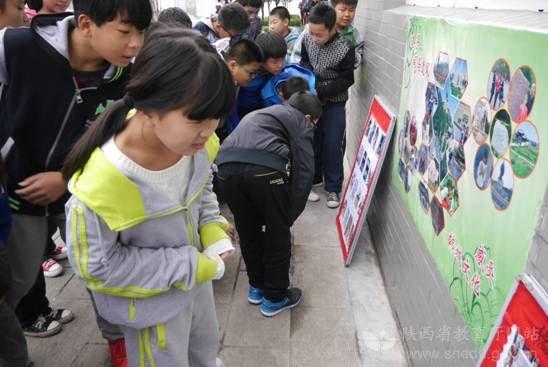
<point x="470" y="161"/>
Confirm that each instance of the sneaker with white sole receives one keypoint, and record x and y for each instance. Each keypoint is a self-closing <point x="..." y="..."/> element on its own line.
<point x="51" y="268"/>
<point x="333" y="200"/>
<point x="61" y="315"/>
<point x="255" y="296"/>
<point x="293" y="298"/>
<point x="42" y="328"/>
<point x="313" y="197"/>
<point x="60" y="253"/>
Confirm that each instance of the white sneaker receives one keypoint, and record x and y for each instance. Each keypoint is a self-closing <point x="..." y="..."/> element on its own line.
<point x="60" y="253"/>
<point x="313" y="197"/>
<point x="51" y="268"/>
<point x="333" y="200"/>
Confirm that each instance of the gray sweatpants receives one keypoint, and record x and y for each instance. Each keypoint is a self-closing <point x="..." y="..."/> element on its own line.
<point x="26" y="246"/>
<point x="190" y="339"/>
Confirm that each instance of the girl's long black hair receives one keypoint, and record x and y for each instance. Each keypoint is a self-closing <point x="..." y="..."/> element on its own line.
<point x="176" y="68"/>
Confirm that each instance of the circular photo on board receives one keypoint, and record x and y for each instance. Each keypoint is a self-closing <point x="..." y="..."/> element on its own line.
<point x="502" y="184"/>
<point x="413" y="131"/>
<point x="498" y="84"/>
<point x="461" y="123"/>
<point x="438" y="220"/>
<point x="401" y="140"/>
<point x="481" y="121"/>
<point x="424" y="197"/>
<point x="483" y="167"/>
<point x="501" y="130"/>
<point x="524" y="149"/>
<point x="413" y="160"/>
<point x="406" y="119"/>
<point x="423" y="159"/>
<point x="455" y="160"/>
<point x="522" y="93"/>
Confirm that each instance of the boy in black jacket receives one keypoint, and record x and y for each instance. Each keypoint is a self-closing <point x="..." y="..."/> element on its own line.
<point x="331" y="58"/>
<point x="57" y="75"/>
<point x="265" y="175"/>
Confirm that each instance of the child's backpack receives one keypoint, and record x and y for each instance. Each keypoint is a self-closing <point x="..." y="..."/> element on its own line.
<point x="270" y="90"/>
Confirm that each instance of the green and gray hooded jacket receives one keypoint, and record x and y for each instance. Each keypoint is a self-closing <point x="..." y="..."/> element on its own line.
<point x="139" y="253"/>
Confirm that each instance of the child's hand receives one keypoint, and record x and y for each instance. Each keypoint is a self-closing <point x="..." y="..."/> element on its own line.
<point x="231" y="231"/>
<point x="42" y="188"/>
<point x="225" y="255"/>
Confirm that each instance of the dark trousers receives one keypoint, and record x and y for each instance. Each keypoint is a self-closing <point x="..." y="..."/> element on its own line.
<point x="34" y="303"/>
<point x="257" y="201"/>
<point x="13" y="346"/>
<point x="329" y="144"/>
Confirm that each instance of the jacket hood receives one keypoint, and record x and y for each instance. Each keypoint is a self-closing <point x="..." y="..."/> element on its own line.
<point x="55" y="29"/>
<point x="123" y="203"/>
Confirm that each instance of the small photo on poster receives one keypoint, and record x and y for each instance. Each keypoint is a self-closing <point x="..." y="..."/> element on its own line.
<point x="515" y="353"/>
<point x="379" y="145"/>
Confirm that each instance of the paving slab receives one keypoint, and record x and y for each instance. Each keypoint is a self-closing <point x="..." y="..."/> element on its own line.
<point x="325" y="353"/>
<point x="247" y="327"/>
<point x="319" y="272"/>
<point x="253" y="357"/>
<point x="316" y="226"/>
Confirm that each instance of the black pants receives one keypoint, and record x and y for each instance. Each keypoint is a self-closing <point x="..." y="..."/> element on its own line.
<point x="13" y="346"/>
<point x="257" y="201"/>
<point x="35" y="303"/>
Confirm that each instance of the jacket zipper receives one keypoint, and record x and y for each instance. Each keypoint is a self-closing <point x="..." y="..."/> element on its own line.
<point x="78" y="99"/>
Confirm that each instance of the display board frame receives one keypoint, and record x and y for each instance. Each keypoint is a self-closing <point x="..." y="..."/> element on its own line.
<point x="374" y="143"/>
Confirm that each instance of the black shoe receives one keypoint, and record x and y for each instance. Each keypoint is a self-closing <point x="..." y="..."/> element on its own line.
<point x="42" y="328"/>
<point x="293" y="298"/>
<point x="61" y="315"/>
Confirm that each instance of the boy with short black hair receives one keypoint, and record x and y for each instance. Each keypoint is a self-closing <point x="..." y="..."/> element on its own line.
<point x="274" y="50"/>
<point x="252" y="8"/>
<point x="331" y="58"/>
<point x="346" y="11"/>
<point x="231" y="22"/>
<point x="175" y="17"/>
<point x="291" y="86"/>
<point x="244" y="60"/>
<point x="76" y="83"/>
<point x="265" y="174"/>
<point x="278" y="22"/>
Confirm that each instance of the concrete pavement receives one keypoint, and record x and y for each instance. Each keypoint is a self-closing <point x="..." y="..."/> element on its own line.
<point x="344" y="318"/>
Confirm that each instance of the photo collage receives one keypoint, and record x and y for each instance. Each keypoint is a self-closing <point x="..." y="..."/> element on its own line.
<point x="433" y="145"/>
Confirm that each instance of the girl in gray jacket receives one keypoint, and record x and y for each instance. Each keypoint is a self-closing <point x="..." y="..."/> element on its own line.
<point x="143" y="225"/>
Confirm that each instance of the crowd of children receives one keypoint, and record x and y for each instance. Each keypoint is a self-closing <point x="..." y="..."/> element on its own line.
<point x="161" y="111"/>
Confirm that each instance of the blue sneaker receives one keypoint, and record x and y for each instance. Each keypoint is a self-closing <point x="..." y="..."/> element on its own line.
<point x="255" y="296"/>
<point x="293" y="298"/>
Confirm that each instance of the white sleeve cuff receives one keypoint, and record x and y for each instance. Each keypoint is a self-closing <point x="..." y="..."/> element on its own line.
<point x="219" y="247"/>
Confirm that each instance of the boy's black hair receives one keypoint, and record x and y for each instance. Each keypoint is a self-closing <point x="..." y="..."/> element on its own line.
<point x="306" y="102"/>
<point x="323" y="14"/>
<point x="345" y="2"/>
<point x="35" y="5"/>
<point x="233" y="17"/>
<point x="135" y="12"/>
<point x="272" y="44"/>
<point x="293" y="85"/>
<point x="281" y="12"/>
<point x="175" y="17"/>
<point x="253" y="3"/>
<point x="244" y="52"/>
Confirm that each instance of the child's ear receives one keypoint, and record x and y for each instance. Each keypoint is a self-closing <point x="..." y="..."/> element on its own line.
<point x="232" y="66"/>
<point x="84" y="24"/>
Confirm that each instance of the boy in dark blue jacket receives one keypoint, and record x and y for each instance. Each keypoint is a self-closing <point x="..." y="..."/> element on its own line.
<point x="57" y="75"/>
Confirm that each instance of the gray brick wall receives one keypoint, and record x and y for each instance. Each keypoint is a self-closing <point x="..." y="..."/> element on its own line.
<point x="417" y="293"/>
